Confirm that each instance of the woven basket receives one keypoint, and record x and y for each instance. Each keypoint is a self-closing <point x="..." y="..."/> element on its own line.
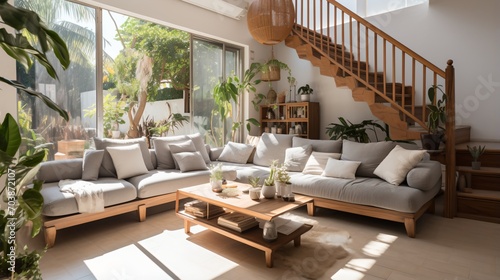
<point x="270" y="21"/>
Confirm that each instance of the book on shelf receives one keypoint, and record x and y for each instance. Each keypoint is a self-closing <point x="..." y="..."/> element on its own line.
<point x="200" y="209"/>
<point x="238" y="228"/>
<point x="237" y="219"/>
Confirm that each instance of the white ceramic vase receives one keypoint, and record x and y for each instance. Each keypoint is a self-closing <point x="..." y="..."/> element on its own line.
<point x="268" y="191"/>
<point x="304" y="97"/>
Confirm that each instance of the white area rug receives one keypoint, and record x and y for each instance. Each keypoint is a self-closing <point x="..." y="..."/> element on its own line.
<point x="320" y="248"/>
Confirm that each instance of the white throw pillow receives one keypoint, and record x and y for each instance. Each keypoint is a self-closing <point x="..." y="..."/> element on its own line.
<point x="397" y="164"/>
<point x="317" y="161"/>
<point x="296" y="158"/>
<point x="236" y="152"/>
<point x="189" y="161"/>
<point x="127" y="160"/>
<point x="344" y="169"/>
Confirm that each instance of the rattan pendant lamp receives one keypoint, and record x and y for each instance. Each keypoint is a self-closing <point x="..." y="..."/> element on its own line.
<point x="270" y="21"/>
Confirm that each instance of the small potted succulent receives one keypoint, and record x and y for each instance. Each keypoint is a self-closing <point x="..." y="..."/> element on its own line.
<point x="254" y="191"/>
<point x="304" y="92"/>
<point x="269" y="187"/>
<point x="476" y="152"/>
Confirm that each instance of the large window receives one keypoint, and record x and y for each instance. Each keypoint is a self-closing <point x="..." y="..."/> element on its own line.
<point x="139" y="86"/>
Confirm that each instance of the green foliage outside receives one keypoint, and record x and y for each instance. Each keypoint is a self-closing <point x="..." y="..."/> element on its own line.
<point x="113" y="111"/>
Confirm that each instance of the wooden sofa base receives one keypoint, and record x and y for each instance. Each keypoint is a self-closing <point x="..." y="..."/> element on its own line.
<point x="409" y="219"/>
<point x="51" y="225"/>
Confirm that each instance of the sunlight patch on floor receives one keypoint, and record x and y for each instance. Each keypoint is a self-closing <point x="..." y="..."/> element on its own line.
<point x="180" y="256"/>
<point x="126" y="263"/>
<point x="356" y="268"/>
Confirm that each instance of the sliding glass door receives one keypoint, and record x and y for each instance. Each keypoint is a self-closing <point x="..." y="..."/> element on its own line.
<point x="212" y="62"/>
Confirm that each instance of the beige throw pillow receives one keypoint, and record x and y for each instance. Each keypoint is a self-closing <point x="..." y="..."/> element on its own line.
<point x="127" y="160"/>
<point x="397" y="164"/>
<point x="344" y="169"/>
<point x="317" y="161"/>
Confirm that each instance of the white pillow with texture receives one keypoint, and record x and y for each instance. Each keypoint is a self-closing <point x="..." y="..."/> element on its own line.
<point x="296" y="158"/>
<point x="344" y="169"/>
<point x="397" y="164"/>
<point x="236" y="152"/>
<point x="317" y="161"/>
<point x="127" y="160"/>
<point x="190" y="161"/>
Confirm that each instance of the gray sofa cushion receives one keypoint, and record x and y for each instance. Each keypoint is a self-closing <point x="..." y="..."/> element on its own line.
<point x="364" y="191"/>
<point x="163" y="155"/>
<point x="54" y="171"/>
<point x="56" y="203"/>
<point x="158" y="182"/>
<point x="272" y="147"/>
<point x="92" y="160"/>
<point x="323" y="146"/>
<point x="107" y="166"/>
<point x="425" y="175"/>
<point x="369" y="154"/>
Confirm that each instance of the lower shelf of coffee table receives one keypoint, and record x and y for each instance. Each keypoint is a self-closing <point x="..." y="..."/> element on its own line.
<point x="252" y="237"/>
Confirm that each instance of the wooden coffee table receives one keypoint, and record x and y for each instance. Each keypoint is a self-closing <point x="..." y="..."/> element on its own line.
<point x="265" y="209"/>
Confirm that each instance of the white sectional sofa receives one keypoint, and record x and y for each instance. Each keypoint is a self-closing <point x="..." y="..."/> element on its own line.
<point x="181" y="161"/>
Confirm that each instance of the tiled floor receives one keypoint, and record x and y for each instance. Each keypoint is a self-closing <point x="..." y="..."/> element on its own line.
<point x="444" y="249"/>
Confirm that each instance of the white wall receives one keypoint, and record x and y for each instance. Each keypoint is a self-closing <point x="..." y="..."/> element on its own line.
<point x="468" y="32"/>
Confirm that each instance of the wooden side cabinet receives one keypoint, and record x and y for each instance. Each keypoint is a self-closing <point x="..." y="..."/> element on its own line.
<point x="300" y="118"/>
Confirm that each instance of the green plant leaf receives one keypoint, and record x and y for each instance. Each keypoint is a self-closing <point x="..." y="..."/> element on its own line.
<point x="31" y="202"/>
<point x="10" y="137"/>
<point x="51" y="104"/>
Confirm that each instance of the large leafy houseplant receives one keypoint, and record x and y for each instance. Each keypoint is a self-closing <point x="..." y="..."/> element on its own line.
<point x="354" y="131"/>
<point x="435" y="119"/>
<point x="24" y="205"/>
<point x="229" y="91"/>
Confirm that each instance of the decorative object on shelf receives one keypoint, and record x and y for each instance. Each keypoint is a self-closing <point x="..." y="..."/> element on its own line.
<point x="476" y="152"/>
<point x="282" y="97"/>
<point x="273" y="129"/>
<point x="298" y="129"/>
<point x="271" y="96"/>
<point x="216" y="177"/>
<point x="270" y="231"/>
<point x="270" y="22"/>
<point x="305" y="92"/>
<point x="270" y="114"/>
<point x="291" y="130"/>
<point x="269" y="188"/>
<point x="279" y="130"/>
<point x="435" y="119"/>
<point x="293" y="84"/>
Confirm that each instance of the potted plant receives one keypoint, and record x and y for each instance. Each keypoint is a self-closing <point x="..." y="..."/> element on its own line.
<point x="216" y="176"/>
<point x="271" y="70"/>
<point x="304" y="92"/>
<point x="269" y="188"/>
<point x="254" y="191"/>
<point x="282" y="179"/>
<point x="435" y="119"/>
<point x="476" y="152"/>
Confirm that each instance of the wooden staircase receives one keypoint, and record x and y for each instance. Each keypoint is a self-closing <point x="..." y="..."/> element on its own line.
<point x="391" y="78"/>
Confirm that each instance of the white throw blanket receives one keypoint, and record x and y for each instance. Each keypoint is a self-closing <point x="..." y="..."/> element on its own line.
<point x="89" y="196"/>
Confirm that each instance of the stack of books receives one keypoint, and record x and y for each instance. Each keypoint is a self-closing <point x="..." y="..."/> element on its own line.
<point x="237" y="221"/>
<point x="199" y="209"/>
